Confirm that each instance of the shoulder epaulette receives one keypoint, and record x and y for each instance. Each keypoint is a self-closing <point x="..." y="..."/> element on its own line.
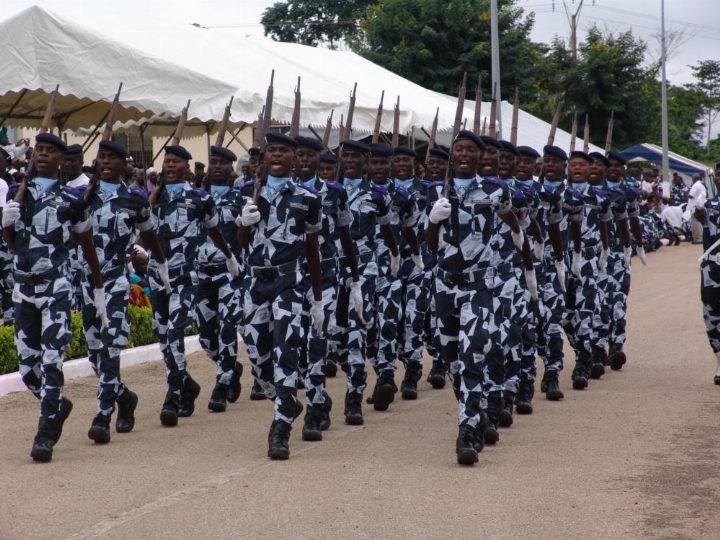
<point x="75" y="192"/>
<point x="335" y="185"/>
<point x="199" y="191"/>
<point x="404" y="193"/>
<point x="249" y="183"/>
<point x="311" y="189"/>
<point x="380" y="189"/>
<point x="492" y="180"/>
<point x="429" y="184"/>
<point x="139" y="192"/>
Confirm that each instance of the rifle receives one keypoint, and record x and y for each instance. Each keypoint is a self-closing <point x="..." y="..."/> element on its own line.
<point x="181" y="125"/>
<point x="328" y="129"/>
<point x="608" y="139"/>
<point x="396" y="125"/>
<point x="483" y="130"/>
<point x="554" y="125"/>
<point x="456" y="129"/>
<point x="378" y="120"/>
<point x="516" y="113"/>
<point x="573" y="132"/>
<point x="478" y="106"/>
<point x="342" y="130"/>
<point x="295" y="122"/>
<point x="107" y="133"/>
<point x="223" y="125"/>
<point x="433" y="134"/>
<point x="586" y="135"/>
<point x="493" y="113"/>
<point x="351" y="112"/>
<point x="258" y="129"/>
<point x="267" y="114"/>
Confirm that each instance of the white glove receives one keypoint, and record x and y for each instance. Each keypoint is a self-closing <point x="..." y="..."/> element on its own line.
<point x="10" y="214"/>
<point x="531" y="281"/>
<point x="539" y="250"/>
<point x="250" y="215"/>
<point x="641" y="255"/>
<point x="700" y="200"/>
<point x="627" y="255"/>
<point x="561" y="273"/>
<point x="232" y="266"/>
<point x="518" y="239"/>
<point x="602" y="261"/>
<point x="577" y="263"/>
<point x="101" y="306"/>
<point x="394" y="264"/>
<point x="318" y="316"/>
<point x="417" y="259"/>
<point x="356" y="294"/>
<point x="440" y="211"/>
<point x="165" y="276"/>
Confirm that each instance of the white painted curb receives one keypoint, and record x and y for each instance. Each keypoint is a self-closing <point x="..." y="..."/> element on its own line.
<point x="81" y="367"/>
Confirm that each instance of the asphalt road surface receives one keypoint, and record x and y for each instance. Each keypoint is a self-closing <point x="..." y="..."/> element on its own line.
<point x="636" y="455"/>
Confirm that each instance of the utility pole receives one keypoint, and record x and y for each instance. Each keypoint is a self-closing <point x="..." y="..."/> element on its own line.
<point x="665" y="157"/>
<point x="573" y="19"/>
<point x="495" y="62"/>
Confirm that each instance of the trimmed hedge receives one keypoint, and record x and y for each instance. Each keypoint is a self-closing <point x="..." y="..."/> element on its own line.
<point x="141" y="333"/>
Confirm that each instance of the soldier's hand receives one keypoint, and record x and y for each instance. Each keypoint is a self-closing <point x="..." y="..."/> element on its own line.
<point x="641" y="255"/>
<point x="561" y="274"/>
<point x="577" y="263"/>
<point x="356" y="294"/>
<point x="518" y="239"/>
<point x="101" y="306"/>
<point x="602" y="261"/>
<point x="440" y="211"/>
<point x="531" y="281"/>
<point x="417" y="259"/>
<point x="627" y="255"/>
<point x="318" y="316"/>
<point x="10" y="214"/>
<point x="539" y="250"/>
<point x="165" y="276"/>
<point x="233" y="267"/>
<point x="394" y="265"/>
<point x="250" y="215"/>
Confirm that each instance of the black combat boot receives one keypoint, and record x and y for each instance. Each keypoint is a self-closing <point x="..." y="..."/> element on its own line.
<point x="490" y="433"/>
<point x="597" y="367"/>
<point x="384" y="393"/>
<point x="467" y="453"/>
<point x="219" y="398"/>
<point x="66" y="407"/>
<point x="523" y="401"/>
<point x="331" y="368"/>
<point x="169" y="413"/>
<point x="257" y="393"/>
<point x="617" y="357"/>
<point x="552" y="386"/>
<point x="100" y="429"/>
<point x="233" y="393"/>
<point x="42" y="448"/>
<point x="353" y="409"/>
<point x="188" y="395"/>
<point x="311" y="428"/>
<point x="324" y="412"/>
<point x="505" y="418"/>
<point x="278" y="446"/>
<point x="580" y="375"/>
<point x="126" y="405"/>
<point x="408" y="387"/>
<point x="436" y="377"/>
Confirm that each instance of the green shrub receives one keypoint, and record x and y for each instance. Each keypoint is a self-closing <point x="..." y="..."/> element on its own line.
<point x="78" y="347"/>
<point x="8" y="354"/>
<point x="141" y="331"/>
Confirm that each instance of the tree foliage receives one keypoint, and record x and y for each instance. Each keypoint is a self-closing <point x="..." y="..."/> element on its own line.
<point x="707" y="74"/>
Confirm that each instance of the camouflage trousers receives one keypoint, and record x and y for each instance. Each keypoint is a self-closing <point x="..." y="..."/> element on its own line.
<point x="527" y="321"/>
<point x="314" y="352"/>
<point x="507" y="314"/>
<point x="219" y="310"/>
<point x="7" y="283"/>
<point x="710" y="297"/>
<point x="620" y="274"/>
<point x="552" y="312"/>
<point x="429" y="337"/>
<point x="104" y="345"/>
<point x="274" y="335"/>
<point x="42" y="335"/>
<point x="468" y="339"/>
<point x="582" y="305"/>
<point x="172" y="315"/>
<point x="349" y="333"/>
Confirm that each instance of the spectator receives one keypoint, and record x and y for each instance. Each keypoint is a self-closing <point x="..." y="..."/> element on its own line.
<point x="695" y="190"/>
<point x="139" y="285"/>
<point x="678" y="190"/>
<point x="151" y="180"/>
<point x="672" y="215"/>
<point x="198" y="180"/>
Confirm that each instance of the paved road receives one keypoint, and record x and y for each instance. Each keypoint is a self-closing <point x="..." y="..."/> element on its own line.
<point x="634" y="456"/>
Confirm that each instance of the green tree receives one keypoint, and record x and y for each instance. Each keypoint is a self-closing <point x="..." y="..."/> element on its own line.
<point x="707" y="73"/>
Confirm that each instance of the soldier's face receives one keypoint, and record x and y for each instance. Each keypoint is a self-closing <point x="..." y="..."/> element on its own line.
<point x="466" y="158"/>
<point x="279" y="160"/>
<point x="252" y="166"/>
<point x="306" y="162"/>
<point x="72" y="167"/>
<point x="524" y="168"/>
<point x="553" y="168"/>
<point x="616" y="171"/>
<point x="489" y="164"/>
<point x="578" y="170"/>
<point x="506" y="165"/>
<point x="597" y="172"/>
<point x="111" y="165"/>
<point x="174" y="169"/>
<point x="436" y="168"/>
<point x="327" y="172"/>
<point x="404" y="167"/>
<point x="47" y="160"/>
<point x="219" y="171"/>
<point x="352" y="163"/>
<point x="379" y="169"/>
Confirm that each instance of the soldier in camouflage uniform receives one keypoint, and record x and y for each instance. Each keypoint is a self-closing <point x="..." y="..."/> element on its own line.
<point x="461" y="231"/>
<point x="179" y="210"/>
<point x="115" y="212"/>
<point x="279" y="231"/>
<point x="38" y="231"/>
<point x="218" y="301"/>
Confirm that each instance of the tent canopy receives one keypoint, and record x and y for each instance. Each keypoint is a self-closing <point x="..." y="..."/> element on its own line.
<point x="653" y="153"/>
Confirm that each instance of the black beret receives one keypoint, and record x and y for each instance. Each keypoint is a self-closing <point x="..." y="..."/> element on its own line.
<point x="598" y="155"/>
<point x="355" y="146"/>
<point x="254" y="152"/>
<point x="381" y="150"/>
<point x="49" y="138"/>
<point x="528" y="152"/>
<point x="491" y="141"/>
<point x="199" y="165"/>
<point x="279" y="138"/>
<point x="329" y="158"/>
<point x="440" y="154"/>
<point x="405" y="151"/>
<point x="507" y="146"/>
<point x="580" y="155"/>
<point x="4" y="154"/>
<point x="555" y="151"/>
<point x="115" y="147"/>
<point x="465" y="134"/>
<point x="309" y="142"/>
<point x="617" y="156"/>
<point x="178" y="151"/>
<point x="219" y="151"/>
<point x="75" y="150"/>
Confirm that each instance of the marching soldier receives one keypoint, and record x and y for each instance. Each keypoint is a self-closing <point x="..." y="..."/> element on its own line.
<point x="180" y="210"/>
<point x="74" y="177"/>
<point x="38" y="232"/>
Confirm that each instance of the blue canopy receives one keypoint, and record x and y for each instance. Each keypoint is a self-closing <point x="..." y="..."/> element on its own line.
<point x="678" y="163"/>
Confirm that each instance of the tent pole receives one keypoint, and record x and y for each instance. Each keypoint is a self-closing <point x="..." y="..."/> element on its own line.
<point x="141" y="129"/>
<point x="243" y="125"/>
<point x="17" y="102"/>
<point x="87" y="144"/>
<point x="163" y="147"/>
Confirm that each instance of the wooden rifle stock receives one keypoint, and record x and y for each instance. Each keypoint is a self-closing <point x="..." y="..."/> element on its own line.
<point x="107" y="134"/>
<point x="342" y="130"/>
<point x="351" y="113"/>
<point x="378" y="120"/>
<point x="177" y="137"/>
<point x="493" y="113"/>
<point x="456" y="129"/>
<point x="257" y="132"/>
<point x="328" y="130"/>
<point x="608" y="139"/>
<point x="433" y="134"/>
<point x="396" y="125"/>
<point x="515" y="118"/>
<point x="483" y="131"/>
<point x="478" y="106"/>
<point x="586" y="135"/>
<point x="573" y="132"/>
<point x="295" y="122"/>
<point x="554" y="125"/>
<point x="220" y="138"/>
<point x="267" y="115"/>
